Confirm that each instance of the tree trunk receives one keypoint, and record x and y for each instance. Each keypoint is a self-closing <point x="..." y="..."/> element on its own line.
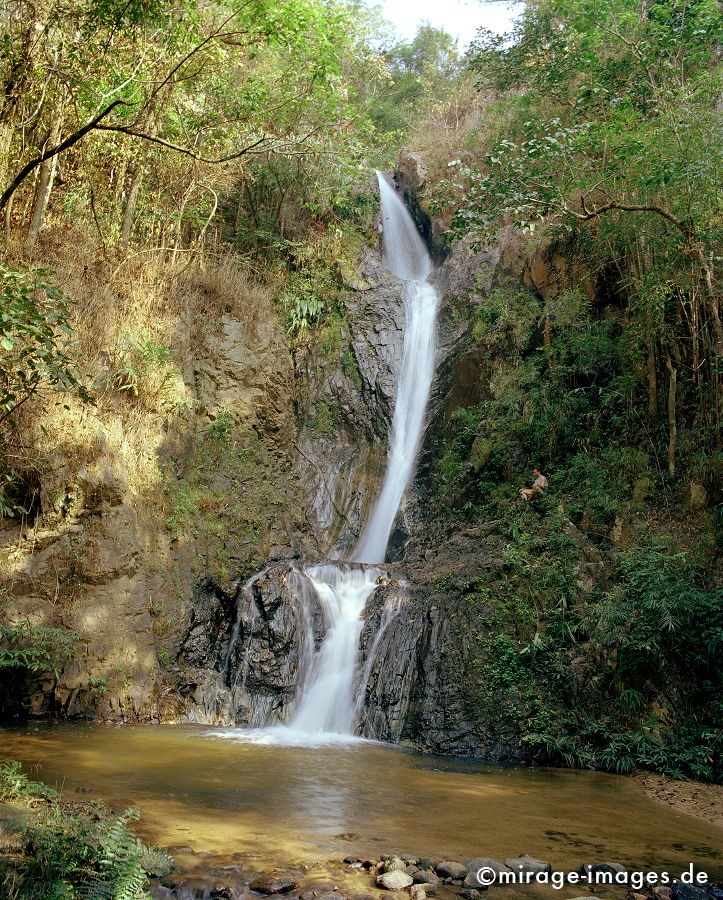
<point x="672" y="424"/>
<point x="131" y="203"/>
<point x="46" y="175"/>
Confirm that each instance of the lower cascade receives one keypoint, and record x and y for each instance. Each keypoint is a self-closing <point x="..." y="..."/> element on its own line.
<point x="326" y="705"/>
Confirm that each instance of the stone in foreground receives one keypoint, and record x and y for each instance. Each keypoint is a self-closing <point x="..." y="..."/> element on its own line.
<point x="273" y="884"/>
<point x="447" y="869"/>
<point x="525" y="863"/>
<point x="394" y="881"/>
<point x="493" y="867"/>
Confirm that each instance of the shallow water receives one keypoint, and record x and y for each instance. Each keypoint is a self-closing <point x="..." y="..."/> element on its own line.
<point x="205" y="788"/>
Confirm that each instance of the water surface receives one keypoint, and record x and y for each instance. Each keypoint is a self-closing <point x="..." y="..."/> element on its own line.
<point x="203" y="787"/>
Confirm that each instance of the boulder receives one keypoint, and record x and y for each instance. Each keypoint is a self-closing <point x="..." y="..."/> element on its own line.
<point x="274" y="884"/>
<point x="412" y="170"/>
<point x="448" y="869"/>
<point x="493" y="870"/>
<point x="682" y="891"/>
<point x="395" y="880"/>
<point x="524" y="863"/>
<point x="394" y="864"/>
<point x="663" y="892"/>
<point x="422" y="876"/>
<point x="426" y="862"/>
<point x="417" y="892"/>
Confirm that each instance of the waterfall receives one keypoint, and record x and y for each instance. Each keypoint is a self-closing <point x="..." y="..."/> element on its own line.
<point x="326" y="705"/>
<point x="406" y="256"/>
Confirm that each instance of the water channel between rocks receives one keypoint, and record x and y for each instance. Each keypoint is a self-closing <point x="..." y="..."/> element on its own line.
<point x="284" y="806"/>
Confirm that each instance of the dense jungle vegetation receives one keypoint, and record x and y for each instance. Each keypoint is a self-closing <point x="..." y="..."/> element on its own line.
<point x="231" y="142"/>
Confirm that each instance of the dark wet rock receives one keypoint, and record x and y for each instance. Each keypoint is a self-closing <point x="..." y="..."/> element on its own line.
<point x="176" y="850"/>
<point x="274" y="884"/>
<point x="525" y="863"/>
<point x="430" y="889"/>
<point x="493" y="867"/>
<point x="84" y="790"/>
<point x="470" y="894"/>
<point x="682" y="891"/>
<point x="223" y="891"/>
<point x="424" y="876"/>
<point x="426" y="862"/>
<point x="350" y="860"/>
<point x="411" y="870"/>
<point x="453" y="870"/>
<point x="412" y="860"/>
<point x="395" y="880"/>
<point x="663" y="892"/>
<point x="160" y="892"/>
<point x="607" y="868"/>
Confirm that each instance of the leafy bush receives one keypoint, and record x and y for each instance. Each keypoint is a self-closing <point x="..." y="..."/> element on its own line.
<point x="35" y="648"/>
<point x="73" y="851"/>
<point x="15" y="784"/>
<point x="34" y="337"/>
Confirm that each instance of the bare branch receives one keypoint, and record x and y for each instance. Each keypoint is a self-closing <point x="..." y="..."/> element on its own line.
<point x="53" y="151"/>
<point x="176" y="147"/>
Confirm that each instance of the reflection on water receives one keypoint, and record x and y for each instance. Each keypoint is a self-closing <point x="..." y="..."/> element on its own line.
<point x="290" y="804"/>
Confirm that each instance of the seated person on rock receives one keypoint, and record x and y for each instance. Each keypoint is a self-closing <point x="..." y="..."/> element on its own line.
<point x="539" y="486"/>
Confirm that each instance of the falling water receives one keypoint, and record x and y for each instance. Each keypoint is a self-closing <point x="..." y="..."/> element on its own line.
<point x="406" y="256"/>
<point x="326" y="705"/>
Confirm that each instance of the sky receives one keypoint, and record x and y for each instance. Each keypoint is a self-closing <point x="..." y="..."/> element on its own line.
<point x="460" y="18"/>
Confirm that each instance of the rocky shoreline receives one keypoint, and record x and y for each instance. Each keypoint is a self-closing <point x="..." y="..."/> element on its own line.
<point x="408" y="877"/>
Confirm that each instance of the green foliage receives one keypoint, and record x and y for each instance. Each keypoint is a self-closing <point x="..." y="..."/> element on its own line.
<point x="325" y="421"/>
<point x="221" y="429"/>
<point x="420" y="70"/>
<point x="78" y="851"/>
<point x="140" y="362"/>
<point x="658" y="613"/>
<point x="35" y="339"/>
<point x="226" y="495"/>
<point x="655" y="626"/>
<point x="97" y="686"/>
<point x="15" y="784"/>
<point x="36" y="648"/>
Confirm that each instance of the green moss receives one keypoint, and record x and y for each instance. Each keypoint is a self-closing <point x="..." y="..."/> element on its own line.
<point x="229" y="492"/>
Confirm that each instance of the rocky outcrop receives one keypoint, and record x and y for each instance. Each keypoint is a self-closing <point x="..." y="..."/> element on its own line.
<point x="120" y="538"/>
<point x="345" y="401"/>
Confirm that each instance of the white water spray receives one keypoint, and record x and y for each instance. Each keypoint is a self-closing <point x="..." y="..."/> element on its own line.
<point x="326" y="705"/>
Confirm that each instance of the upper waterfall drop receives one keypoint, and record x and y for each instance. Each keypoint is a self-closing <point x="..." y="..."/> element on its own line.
<point x="406" y="256"/>
<point x="403" y="250"/>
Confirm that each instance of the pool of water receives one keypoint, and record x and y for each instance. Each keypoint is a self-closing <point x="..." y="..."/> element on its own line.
<point x="286" y="805"/>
